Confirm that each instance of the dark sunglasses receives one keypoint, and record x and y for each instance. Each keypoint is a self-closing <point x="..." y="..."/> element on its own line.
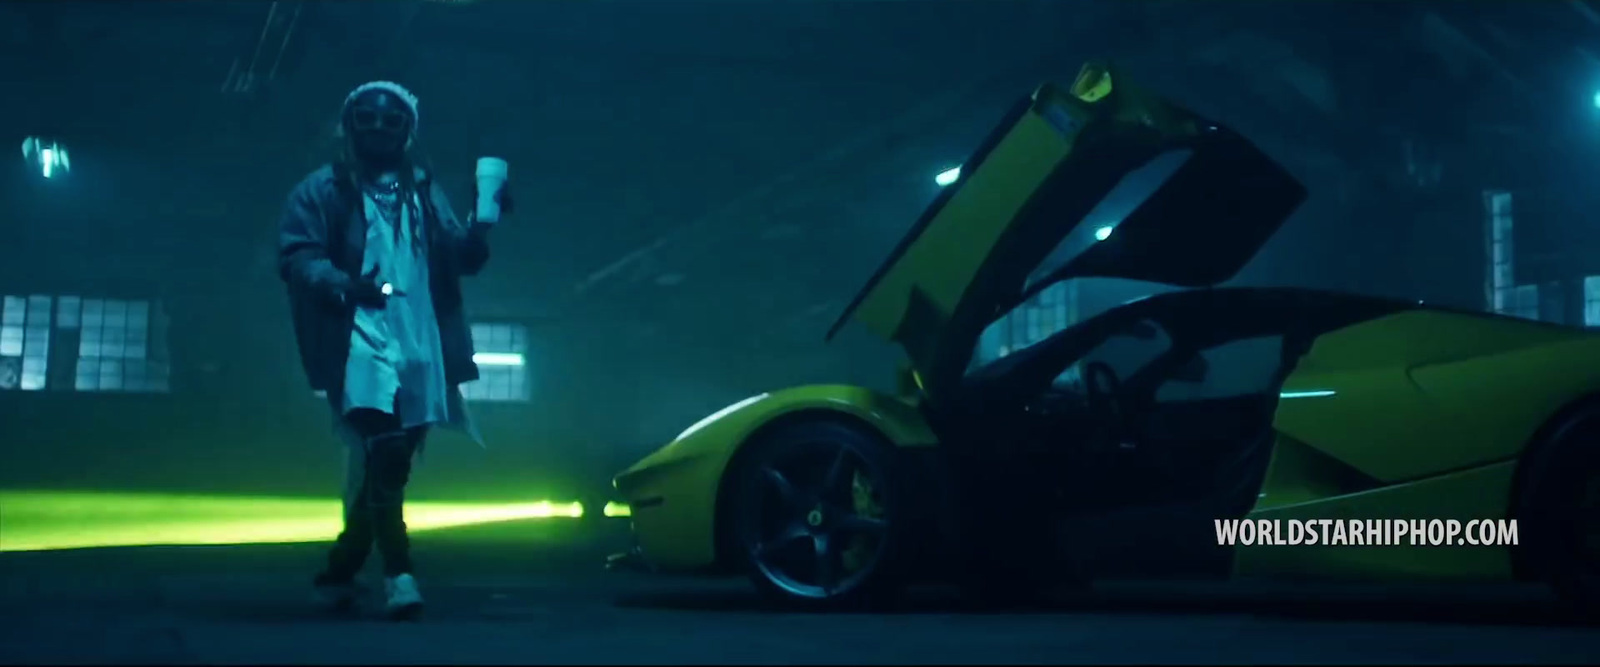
<point x="388" y="121"/>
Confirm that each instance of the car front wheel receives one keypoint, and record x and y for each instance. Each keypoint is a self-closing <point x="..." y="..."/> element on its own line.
<point x="813" y="512"/>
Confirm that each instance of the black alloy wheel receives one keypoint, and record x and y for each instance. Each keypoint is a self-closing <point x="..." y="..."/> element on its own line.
<point x="813" y="514"/>
<point x="1559" y="514"/>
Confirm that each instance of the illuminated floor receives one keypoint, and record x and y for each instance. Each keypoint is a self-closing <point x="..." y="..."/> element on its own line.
<point x="532" y="592"/>
<point x="49" y="520"/>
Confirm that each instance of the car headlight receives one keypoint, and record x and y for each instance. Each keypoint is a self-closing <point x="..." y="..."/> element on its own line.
<point x="718" y="415"/>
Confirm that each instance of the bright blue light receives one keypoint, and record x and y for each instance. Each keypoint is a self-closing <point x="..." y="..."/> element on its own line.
<point x="947" y="176"/>
<point x="46" y="156"/>
<point x="1307" y="394"/>
<point x="495" y="358"/>
<point x="1104" y="232"/>
<point x="1597" y="100"/>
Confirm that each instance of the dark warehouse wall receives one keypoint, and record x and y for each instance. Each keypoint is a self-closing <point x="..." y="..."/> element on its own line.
<point x="701" y="185"/>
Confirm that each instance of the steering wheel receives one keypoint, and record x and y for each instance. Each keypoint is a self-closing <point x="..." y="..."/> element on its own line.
<point x="1104" y="393"/>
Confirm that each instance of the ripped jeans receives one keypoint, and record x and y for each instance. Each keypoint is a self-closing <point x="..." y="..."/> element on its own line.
<point x="376" y="474"/>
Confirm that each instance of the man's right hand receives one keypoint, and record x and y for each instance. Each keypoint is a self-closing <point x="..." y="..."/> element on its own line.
<point x="366" y="293"/>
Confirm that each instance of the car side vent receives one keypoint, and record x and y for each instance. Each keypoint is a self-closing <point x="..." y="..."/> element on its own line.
<point x="1300" y="473"/>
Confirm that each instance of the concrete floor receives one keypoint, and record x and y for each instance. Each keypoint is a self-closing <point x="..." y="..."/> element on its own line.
<point x="534" y="593"/>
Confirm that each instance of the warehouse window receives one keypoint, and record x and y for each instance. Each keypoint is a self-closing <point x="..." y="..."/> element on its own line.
<point x="24" y="342"/>
<point x="121" y="344"/>
<point x="1499" y="230"/>
<point x="1052" y="310"/>
<point x="84" y="344"/>
<point x="501" y="354"/>
<point x="1524" y="302"/>
<point x="1591" y="301"/>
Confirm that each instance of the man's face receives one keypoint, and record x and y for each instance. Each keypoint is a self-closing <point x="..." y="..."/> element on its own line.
<point x="379" y="126"/>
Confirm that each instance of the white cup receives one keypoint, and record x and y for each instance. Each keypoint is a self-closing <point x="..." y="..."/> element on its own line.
<point x="491" y="178"/>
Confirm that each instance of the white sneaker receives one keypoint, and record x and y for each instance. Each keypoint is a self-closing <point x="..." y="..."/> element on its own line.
<point x="403" y="600"/>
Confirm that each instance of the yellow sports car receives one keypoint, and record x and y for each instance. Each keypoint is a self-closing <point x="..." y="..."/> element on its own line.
<point x="1127" y="443"/>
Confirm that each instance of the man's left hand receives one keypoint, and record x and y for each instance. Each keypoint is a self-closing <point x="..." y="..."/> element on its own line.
<point x="503" y="198"/>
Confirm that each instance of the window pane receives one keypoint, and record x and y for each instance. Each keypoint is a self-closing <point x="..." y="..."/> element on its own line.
<point x="15" y="312"/>
<point x="88" y="377"/>
<point x="116" y="315"/>
<point x="32" y="374"/>
<point x="36" y="342"/>
<point x="111" y="374"/>
<point x="39" y="311"/>
<point x="499" y="346"/>
<point x="68" y="310"/>
<point x="111" y="342"/>
<point x="1591" y="301"/>
<point x="11" y="340"/>
<point x="94" y="313"/>
<point x="10" y="373"/>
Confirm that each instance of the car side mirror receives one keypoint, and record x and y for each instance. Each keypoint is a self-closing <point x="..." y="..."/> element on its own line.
<point x="1194" y="369"/>
<point x="1143" y="331"/>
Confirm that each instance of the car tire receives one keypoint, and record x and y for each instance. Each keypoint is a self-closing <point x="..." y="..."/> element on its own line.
<point x="792" y="526"/>
<point x="1558" y="514"/>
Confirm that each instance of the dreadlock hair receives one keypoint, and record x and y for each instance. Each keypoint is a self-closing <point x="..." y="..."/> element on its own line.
<point x="414" y="172"/>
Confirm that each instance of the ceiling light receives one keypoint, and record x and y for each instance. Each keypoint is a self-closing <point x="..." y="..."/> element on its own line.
<point x="47" y="157"/>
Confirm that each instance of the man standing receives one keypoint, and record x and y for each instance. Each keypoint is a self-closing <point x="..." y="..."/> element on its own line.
<point x="373" y="255"/>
